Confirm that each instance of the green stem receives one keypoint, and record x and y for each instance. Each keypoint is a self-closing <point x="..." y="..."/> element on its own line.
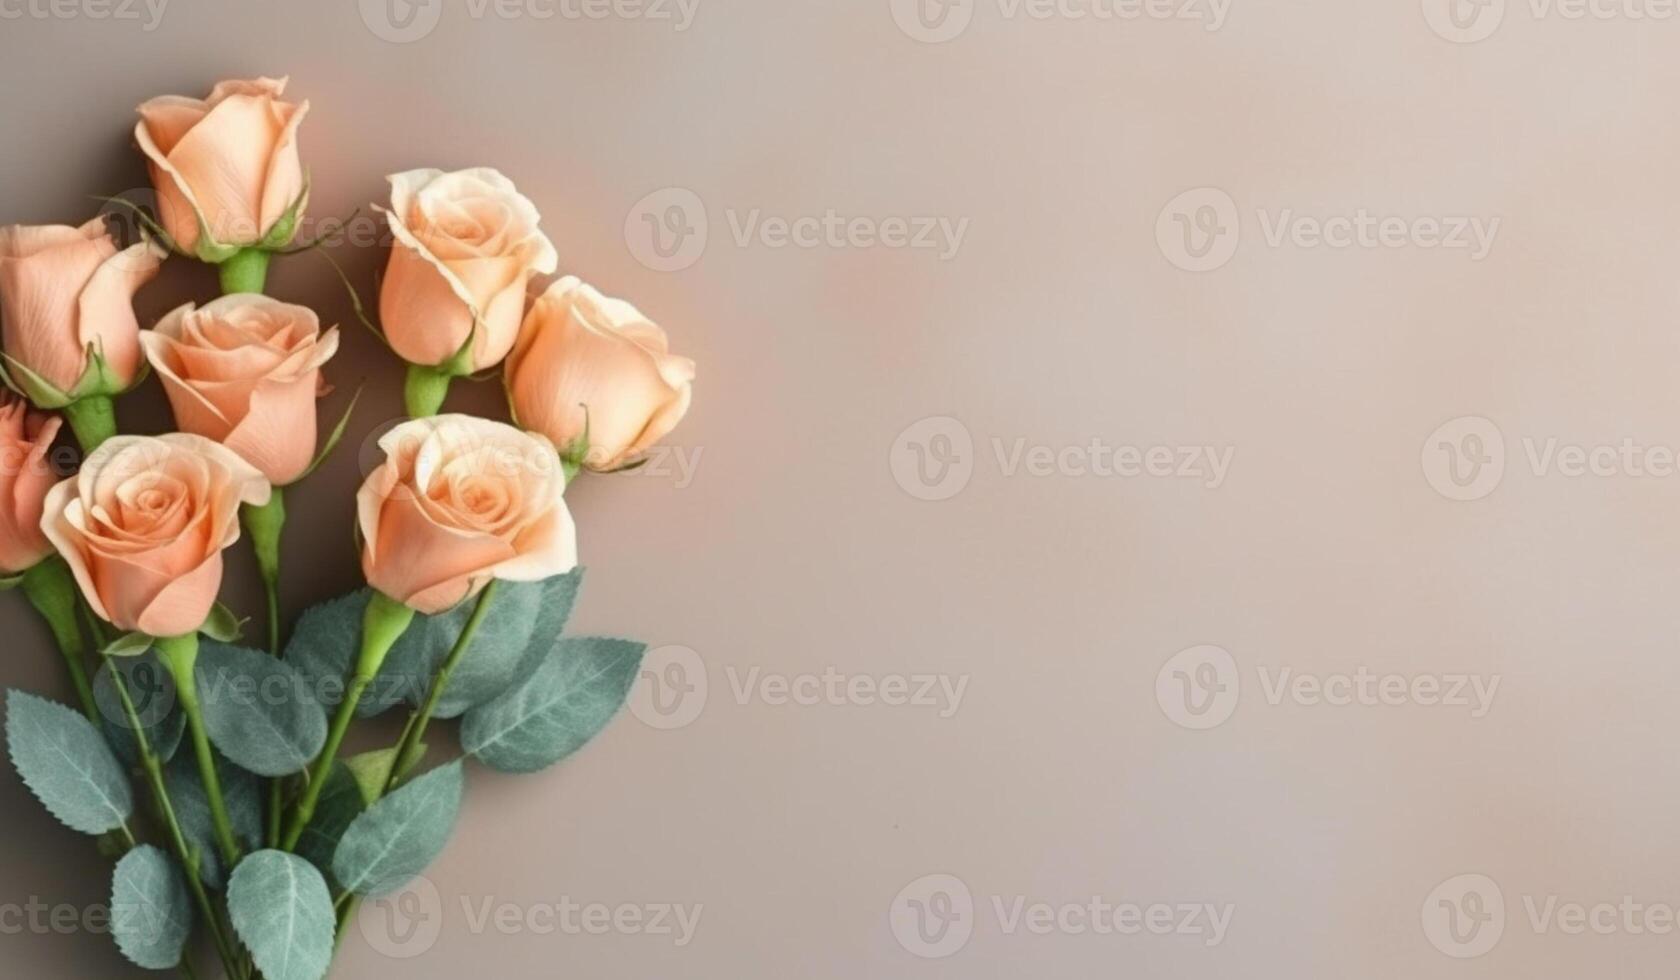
<point x="414" y="735"/>
<point x="51" y="589"/>
<point x="425" y="390"/>
<point x="160" y="794"/>
<point x="382" y="626"/>
<point x="180" y="654"/>
<point x="245" y="272"/>
<point x="93" y="419"/>
<point x="264" y="525"/>
<point x="346" y="912"/>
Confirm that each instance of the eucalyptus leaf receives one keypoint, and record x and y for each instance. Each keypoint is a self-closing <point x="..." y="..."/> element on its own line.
<point x="399" y="836"/>
<point x="240" y="789"/>
<point x="151" y="912"/>
<point x="282" y="911"/>
<point x="152" y="690"/>
<point x="67" y="765"/>
<point x="563" y="704"/>
<point x="259" y="711"/>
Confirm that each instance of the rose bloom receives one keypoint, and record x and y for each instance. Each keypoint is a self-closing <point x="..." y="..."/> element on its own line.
<point x="144" y="524"/>
<point x="65" y="290"/>
<point x="460" y="501"/>
<point x="579" y="348"/>
<point x="230" y="161"/>
<point x="467" y="246"/>
<point x="25" y="477"/>
<point x="245" y="370"/>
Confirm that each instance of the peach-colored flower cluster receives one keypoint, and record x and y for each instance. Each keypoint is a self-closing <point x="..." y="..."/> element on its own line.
<point x="126" y="555"/>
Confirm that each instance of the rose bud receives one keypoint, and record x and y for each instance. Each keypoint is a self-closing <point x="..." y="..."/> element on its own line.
<point x="460" y="501"/>
<point x="25" y="477"/>
<point x="226" y="168"/>
<point x="467" y="245"/>
<point x="67" y="306"/>
<point x="245" y="370"/>
<point x="587" y="362"/>
<point x="144" y="524"/>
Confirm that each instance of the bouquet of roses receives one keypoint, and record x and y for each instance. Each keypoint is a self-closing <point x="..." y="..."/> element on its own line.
<point x="250" y="826"/>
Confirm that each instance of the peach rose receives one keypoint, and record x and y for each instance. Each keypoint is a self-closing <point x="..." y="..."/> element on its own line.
<point x="460" y="501"/>
<point x="25" y="478"/>
<point x="579" y="348"/>
<point x="143" y="526"/>
<point x="245" y="370"/>
<point x="226" y="168"/>
<point x="467" y="246"/>
<point x="65" y="293"/>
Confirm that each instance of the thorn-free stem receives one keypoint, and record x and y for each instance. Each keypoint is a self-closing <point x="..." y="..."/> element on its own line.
<point x="160" y="794"/>
<point x="51" y="589"/>
<point x="180" y="655"/>
<point x="425" y="390"/>
<point x="408" y="750"/>
<point x="245" y="272"/>
<point x="264" y="524"/>
<point x="93" y="419"/>
<point x="383" y="625"/>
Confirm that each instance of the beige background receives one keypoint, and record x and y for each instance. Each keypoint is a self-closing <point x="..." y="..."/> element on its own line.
<point x="797" y="546"/>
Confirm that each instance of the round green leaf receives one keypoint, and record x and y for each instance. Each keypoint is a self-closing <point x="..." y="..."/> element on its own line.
<point x="151" y="914"/>
<point x="282" y="911"/>
<point x="577" y="689"/>
<point x="401" y="835"/>
<point x="258" y="710"/>
<point x="67" y="765"/>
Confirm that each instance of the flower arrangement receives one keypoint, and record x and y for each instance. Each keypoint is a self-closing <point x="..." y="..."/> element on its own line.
<point x="212" y="772"/>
